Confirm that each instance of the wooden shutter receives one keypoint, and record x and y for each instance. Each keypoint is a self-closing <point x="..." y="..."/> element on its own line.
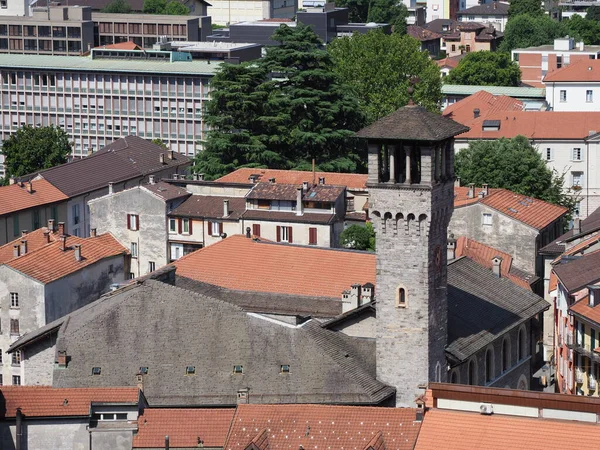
<point x="278" y="234"/>
<point x="137" y="222"/>
<point x="190" y="221"/>
<point x="220" y="228"/>
<point x="290" y="240"/>
<point x="256" y="229"/>
<point x="129" y="221"/>
<point x="180" y="225"/>
<point x="312" y="236"/>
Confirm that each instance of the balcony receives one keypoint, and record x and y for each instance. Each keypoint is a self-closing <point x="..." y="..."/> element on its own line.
<point x="578" y="375"/>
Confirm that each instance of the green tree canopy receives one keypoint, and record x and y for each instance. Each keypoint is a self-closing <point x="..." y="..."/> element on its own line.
<point x="380" y="11"/>
<point x="31" y="149"/>
<point x="593" y="13"/>
<point x="512" y="164"/>
<point x="176" y="8"/>
<point x="377" y="67"/>
<point x="154" y="6"/>
<point x="585" y="30"/>
<point x="529" y="7"/>
<point x="117" y="7"/>
<point x="281" y="111"/>
<point x="486" y="69"/>
<point x="358" y="237"/>
<point x="530" y="31"/>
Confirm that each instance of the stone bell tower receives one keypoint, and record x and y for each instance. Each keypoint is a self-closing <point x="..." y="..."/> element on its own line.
<point x="411" y="178"/>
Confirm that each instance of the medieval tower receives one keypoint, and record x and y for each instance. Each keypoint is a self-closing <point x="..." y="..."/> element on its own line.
<point x="411" y="179"/>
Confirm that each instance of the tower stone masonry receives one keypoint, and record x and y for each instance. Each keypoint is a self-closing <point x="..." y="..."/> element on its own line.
<point x="411" y="177"/>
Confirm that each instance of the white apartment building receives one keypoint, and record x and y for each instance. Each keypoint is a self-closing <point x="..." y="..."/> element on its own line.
<point x="225" y="12"/>
<point x="14" y="7"/>
<point x="494" y="13"/>
<point x="575" y="87"/>
<point x="98" y="100"/>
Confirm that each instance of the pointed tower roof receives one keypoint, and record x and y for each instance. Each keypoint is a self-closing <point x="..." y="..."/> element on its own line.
<point x="413" y="123"/>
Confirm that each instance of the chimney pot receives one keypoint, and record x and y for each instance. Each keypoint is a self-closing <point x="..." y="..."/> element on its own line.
<point x="23" y="233"/>
<point x="225" y="208"/>
<point x="305" y="186"/>
<point x="151" y="179"/>
<point x="93" y="232"/>
<point x="272" y="180"/>
<point x="451" y="248"/>
<point x="195" y="177"/>
<point x="171" y="154"/>
<point x="497" y="266"/>
<point x="77" y="249"/>
<point x="61" y="228"/>
<point x="63" y="242"/>
<point x="161" y="158"/>
<point x="484" y="189"/>
<point x="16" y="251"/>
<point x="11" y="180"/>
<point x="299" y="205"/>
<point x="200" y="177"/>
<point x="253" y="178"/>
<point x="111" y="188"/>
<point x="29" y="187"/>
<point x="457" y="182"/>
<point x="62" y="358"/>
<point x="576" y="226"/>
<point x="47" y="236"/>
<point x="248" y="232"/>
<point x="321" y="180"/>
<point x="51" y="225"/>
<point x="471" y="193"/>
<point x="476" y="113"/>
<point x="23" y="246"/>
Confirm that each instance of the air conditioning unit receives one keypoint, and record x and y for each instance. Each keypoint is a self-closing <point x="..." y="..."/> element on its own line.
<point x="486" y="408"/>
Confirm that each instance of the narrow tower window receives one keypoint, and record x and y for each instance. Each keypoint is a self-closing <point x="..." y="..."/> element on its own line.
<point x="401" y="297"/>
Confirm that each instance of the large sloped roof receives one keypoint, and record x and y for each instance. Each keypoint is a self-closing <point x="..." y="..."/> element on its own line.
<point x="17" y="196"/>
<point x="413" y="123"/>
<point x="167" y="329"/>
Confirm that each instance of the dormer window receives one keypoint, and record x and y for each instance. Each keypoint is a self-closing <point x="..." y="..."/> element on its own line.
<point x="491" y="125"/>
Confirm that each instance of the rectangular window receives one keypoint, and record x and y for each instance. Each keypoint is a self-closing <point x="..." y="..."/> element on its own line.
<point x="14" y="327"/>
<point x="172" y="225"/>
<point x="549" y="154"/>
<point x="577" y="155"/>
<point x="312" y="236"/>
<point x="16" y="380"/>
<point x="558" y="62"/>
<point x="133" y="222"/>
<point x="284" y="234"/>
<point x="75" y="210"/>
<point x="216" y="228"/>
<point x="1" y="381"/>
<point x="256" y="229"/>
<point x="592" y="339"/>
<point x="589" y="96"/>
<point x="16" y="358"/>
<point x="185" y="226"/>
<point x="134" y="250"/>
<point x="577" y="178"/>
<point x="487" y="219"/>
<point x="151" y="266"/>
<point x="563" y="95"/>
<point x="14" y="299"/>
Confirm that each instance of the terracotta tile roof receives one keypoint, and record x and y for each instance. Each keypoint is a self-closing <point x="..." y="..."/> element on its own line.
<point x="483" y="254"/>
<point x="350" y="180"/>
<point x="422" y="34"/>
<point x="323" y="426"/>
<point x="578" y="273"/>
<point x="462" y="111"/>
<point x="183" y="426"/>
<point x="210" y="206"/>
<point x="121" y="46"/>
<point x="581" y="247"/>
<point x="553" y="284"/>
<point x="583" y="309"/>
<point x="450" y="61"/>
<point x="16" y="197"/>
<point x="457" y="430"/>
<point x="561" y="125"/>
<point x="579" y="71"/>
<point x="590" y="224"/>
<point x="536" y="213"/>
<point x="46" y="401"/>
<point x="412" y="123"/>
<point x="50" y="263"/>
<point x="533" y="212"/>
<point x="166" y="191"/>
<point x="35" y="240"/>
<point x="278" y="268"/>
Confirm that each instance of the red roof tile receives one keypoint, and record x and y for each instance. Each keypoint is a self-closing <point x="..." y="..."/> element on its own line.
<point x="324" y="427"/>
<point x="462" y="111"/>
<point x="422" y="34"/>
<point x="457" y="430"/>
<point x="350" y="180"/>
<point x="35" y="240"/>
<point x="580" y="71"/>
<point x="583" y="308"/>
<point x="483" y="254"/>
<point x="129" y="45"/>
<point x="50" y="263"/>
<point x="278" y="268"/>
<point x="46" y="401"/>
<point x="461" y="195"/>
<point x="183" y="426"/>
<point x="16" y="197"/>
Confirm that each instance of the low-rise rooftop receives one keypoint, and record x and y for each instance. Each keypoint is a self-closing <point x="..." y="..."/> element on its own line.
<point x="24" y="195"/>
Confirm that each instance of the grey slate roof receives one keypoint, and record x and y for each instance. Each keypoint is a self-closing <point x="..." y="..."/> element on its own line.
<point x="166" y="328"/>
<point x="210" y="206"/>
<point x="276" y="191"/>
<point x="486" y="9"/>
<point x="167" y="191"/>
<point x="413" y="123"/>
<point x="590" y="224"/>
<point x="579" y="272"/>
<point x="482" y="307"/>
<point x="124" y="159"/>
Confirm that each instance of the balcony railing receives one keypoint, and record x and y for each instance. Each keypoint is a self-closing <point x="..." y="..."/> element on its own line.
<point x="592" y="383"/>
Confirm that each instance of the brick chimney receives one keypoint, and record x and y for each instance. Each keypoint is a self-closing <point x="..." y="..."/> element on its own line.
<point x="47" y="236"/>
<point x="61" y="228"/>
<point x="77" y="251"/>
<point x="139" y="381"/>
<point x="16" y="250"/>
<point x="23" y="246"/>
<point x="93" y="232"/>
<point x="51" y="225"/>
<point x="62" y="358"/>
<point x="63" y="242"/>
<point x="497" y="265"/>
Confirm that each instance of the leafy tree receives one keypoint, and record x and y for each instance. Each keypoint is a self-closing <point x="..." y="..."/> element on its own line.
<point x="160" y="142"/>
<point x="358" y="237"/>
<point x="31" y="149"/>
<point x="176" y="8"/>
<point x="529" y="7"/>
<point x="582" y="29"/>
<point x="593" y="13"/>
<point x="486" y="69"/>
<point x="512" y="164"/>
<point x="389" y="11"/>
<point x="377" y="67"/>
<point x="530" y="31"/>
<point x="358" y="10"/>
<point x="117" y="7"/>
<point x="154" y="6"/>
<point x="281" y="111"/>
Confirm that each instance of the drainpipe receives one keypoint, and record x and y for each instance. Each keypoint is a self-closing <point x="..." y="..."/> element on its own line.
<point x="19" y="430"/>
<point x="587" y="178"/>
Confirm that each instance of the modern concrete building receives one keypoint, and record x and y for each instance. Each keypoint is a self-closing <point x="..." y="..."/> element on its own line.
<point x="97" y="100"/>
<point x="227" y="12"/>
